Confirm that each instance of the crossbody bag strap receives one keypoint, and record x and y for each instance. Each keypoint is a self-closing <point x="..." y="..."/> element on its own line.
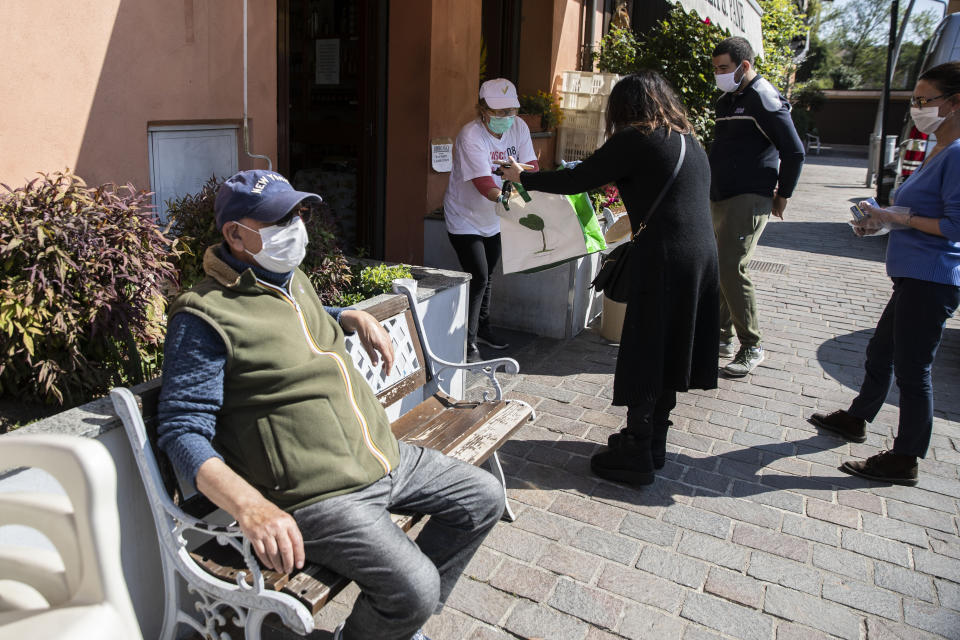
<point x="666" y="187"/>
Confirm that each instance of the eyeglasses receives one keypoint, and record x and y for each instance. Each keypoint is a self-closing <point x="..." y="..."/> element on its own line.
<point x="302" y="212"/>
<point x="503" y="113"/>
<point x="919" y="101"/>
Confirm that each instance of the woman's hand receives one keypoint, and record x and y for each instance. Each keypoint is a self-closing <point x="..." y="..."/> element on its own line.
<point x="880" y="217"/>
<point x="513" y="171"/>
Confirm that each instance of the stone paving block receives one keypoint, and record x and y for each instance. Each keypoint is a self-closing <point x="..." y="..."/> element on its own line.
<point x="581" y="510"/>
<point x="835" y="513"/>
<point x="483" y="563"/>
<point x="538" y="476"/>
<point x="948" y="594"/>
<point x="668" y="564"/>
<point x="479" y="600"/>
<point x="727" y="617"/>
<point x="764" y="443"/>
<point x="586" y="603"/>
<point x="523" y="580"/>
<point x="787" y="573"/>
<point x="544" y="391"/>
<point x="489" y="633"/>
<point x="920" y="516"/>
<point x="689" y="441"/>
<point x="644" y="622"/>
<point x="698" y="520"/>
<point x="743" y="399"/>
<point x="775" y="543"/>
<point x="875" y="547"/>
<point x="930" y="618"/>
<point x="530" y="620"/>
<point x="565" y="561"/>
<point x="603" y="419"/>
<point x="881" y="629"/>
<point x="590" y="402"/>
<point x="936" y="565"/>
<point x="740" y="509"/>
<point x="727" y="420"/>
<point x="804" y="486"/>
<point x="709" y="430"/>
<point x="694" y="631"/>
<point x="905" y="581"/>
<point x="716" y="482"/>
<point x="735" y="587"/>
<point x="562" y="409"/>
<point x="548" y="455"/>
<point x="713" y="550"/>
<point x="912" y="495"/>
<point x="815" y="530"/>
<point x="845" y="563"/>
<point x="557" y="424"/>
<point x="648" y="530"/>
<point x="514" y="542"/>
<point x="791" y="631"/>
<point x="895" y="529"/>
<point x="945" y="545"/>
<point x="858" y="595"/>
<point x="860" y="500"/>
<point x="761" y="494"/>
<point x="649" y="502"/>
<point x="729" y="451"/>
<point x="545" y="524"/>
<point x="812" y="612"/>
<point x="607" y="545"/>
<point x="449" y="625"/>
<point x="944" y="486"/>
<point x="641" y="587"/>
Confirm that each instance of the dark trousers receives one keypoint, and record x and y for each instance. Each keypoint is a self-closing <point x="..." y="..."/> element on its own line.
<point x="652" y="418"/>
<point x="904" y="345"/>
<point x="478" y="256"/>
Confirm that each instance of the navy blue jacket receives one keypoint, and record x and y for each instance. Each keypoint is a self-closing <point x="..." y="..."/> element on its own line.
<point x="754" y="136"/>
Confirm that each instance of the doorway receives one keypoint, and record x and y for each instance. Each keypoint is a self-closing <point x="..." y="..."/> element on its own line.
<point x="331" y="92"/>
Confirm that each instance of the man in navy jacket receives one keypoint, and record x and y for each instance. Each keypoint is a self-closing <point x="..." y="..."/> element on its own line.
<point x="755" y="162"/>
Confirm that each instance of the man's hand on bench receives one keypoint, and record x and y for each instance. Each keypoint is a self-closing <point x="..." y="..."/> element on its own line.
<point x="372" y="335"/>
<point x="273" y="533"/>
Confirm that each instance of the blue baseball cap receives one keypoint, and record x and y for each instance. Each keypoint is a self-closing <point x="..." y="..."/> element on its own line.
<point x="265" y="196"/>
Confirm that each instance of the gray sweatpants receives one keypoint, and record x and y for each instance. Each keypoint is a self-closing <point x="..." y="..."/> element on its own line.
<point x="402" y="582"/>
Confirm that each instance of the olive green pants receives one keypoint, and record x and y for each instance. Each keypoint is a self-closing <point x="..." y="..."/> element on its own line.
<point x="737" y="224"/>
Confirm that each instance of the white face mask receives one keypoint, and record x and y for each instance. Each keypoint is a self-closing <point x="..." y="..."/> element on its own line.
<point x="927" y="119"/>
<point x="283" y="247"/>
<point x="726" y="81"/>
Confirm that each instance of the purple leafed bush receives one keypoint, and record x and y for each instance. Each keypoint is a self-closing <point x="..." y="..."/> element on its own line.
<point x="83" y="278"/>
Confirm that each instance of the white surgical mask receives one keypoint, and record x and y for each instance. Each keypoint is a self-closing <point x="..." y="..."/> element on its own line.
<point x="726" y="81"/>
<point x="283" y="247"/>
<point x="927" y="119"/>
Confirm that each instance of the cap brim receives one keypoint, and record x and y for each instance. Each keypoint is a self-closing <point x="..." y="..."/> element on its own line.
<point x="502" y="103"/>
<point x="276" y="207"/>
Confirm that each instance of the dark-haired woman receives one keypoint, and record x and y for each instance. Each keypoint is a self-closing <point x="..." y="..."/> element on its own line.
<point x="670" y="330"/>
<point x="923" y="259"/>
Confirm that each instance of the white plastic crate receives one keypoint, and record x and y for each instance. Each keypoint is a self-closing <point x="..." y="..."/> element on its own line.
<point x="588" y="82"/>
<point x="583" y="101"/>
<point x="573" y="119"/>
<point x="577" y="144"/>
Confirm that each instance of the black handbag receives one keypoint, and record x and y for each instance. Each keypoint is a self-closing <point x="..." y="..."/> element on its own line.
<point x="613" y="278"/>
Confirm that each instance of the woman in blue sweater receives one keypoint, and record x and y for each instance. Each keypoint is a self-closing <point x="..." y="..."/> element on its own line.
<point x="923" y="259"/>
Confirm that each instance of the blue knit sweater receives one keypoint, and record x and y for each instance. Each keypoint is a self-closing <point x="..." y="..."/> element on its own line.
<point x="931" y="192"/>
<point x="194" y="358"/>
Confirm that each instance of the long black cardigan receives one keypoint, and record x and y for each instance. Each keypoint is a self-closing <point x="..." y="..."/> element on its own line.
<point x="671" y="329"/>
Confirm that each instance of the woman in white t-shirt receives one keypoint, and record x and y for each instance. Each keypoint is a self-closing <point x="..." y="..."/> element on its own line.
<point x="469" y="206"/>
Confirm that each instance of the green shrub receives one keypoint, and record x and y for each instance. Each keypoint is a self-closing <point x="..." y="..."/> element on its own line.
<point x="83" y="275"/>
<point x="192" y="220"/>
<point x="372" y="281"/>
<point x="543" y="104"/>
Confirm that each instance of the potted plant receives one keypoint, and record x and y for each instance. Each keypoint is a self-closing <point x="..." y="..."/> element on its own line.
<point x="541" y="111"/>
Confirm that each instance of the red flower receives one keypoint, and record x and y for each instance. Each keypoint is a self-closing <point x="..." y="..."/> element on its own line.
<point x="706" y="21"/>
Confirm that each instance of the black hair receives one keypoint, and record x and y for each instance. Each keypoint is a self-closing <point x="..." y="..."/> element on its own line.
<point x="645" y="100"/>
<point x="945" y="76"/>
<point x="737" y="48"/>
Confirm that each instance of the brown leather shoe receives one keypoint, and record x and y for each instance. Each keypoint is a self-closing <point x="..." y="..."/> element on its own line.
<point x="842" y="423"/>
<point x="886" y="466"/>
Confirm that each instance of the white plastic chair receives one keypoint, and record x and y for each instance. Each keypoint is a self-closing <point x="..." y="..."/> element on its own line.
<point x="77" y="592"/>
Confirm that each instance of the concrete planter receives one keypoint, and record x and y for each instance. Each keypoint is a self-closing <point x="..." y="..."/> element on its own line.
<point x="442" y="301"/>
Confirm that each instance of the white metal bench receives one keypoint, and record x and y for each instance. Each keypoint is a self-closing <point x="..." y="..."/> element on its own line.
<point x="231" y="587"/>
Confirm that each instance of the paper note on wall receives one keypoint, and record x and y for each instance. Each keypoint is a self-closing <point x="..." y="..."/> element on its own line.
<point x="328" y="61"/>
<point x="441" y="155"/>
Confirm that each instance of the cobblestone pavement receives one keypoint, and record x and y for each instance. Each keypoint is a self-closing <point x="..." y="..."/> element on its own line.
<point x="750" y="531"/>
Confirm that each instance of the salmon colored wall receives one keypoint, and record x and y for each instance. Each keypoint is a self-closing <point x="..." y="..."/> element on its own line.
<point x="91" y="74"/>
<point x="434" y="71"/>
<point x="553" y="26"/>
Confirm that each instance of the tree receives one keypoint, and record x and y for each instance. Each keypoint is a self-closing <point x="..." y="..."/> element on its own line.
<point x="535" y="222"/>
<point x="784" y="31"/>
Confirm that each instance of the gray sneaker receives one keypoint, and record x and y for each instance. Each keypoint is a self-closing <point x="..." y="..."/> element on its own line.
<point x="727" y="348"/>
<point x="746" y="361"/>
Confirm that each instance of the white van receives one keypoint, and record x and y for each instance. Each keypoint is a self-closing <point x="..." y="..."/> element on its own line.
<point x="944" y="46"/>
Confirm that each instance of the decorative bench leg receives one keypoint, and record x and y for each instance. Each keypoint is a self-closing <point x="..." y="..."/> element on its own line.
<point x="493" y="462"/>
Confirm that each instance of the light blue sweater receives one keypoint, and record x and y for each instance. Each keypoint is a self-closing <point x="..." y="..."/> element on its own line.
<point x="932" y="192"/>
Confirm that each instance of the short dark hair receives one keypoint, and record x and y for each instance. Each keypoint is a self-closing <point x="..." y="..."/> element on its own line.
<point x="646" y="101"/>
<point x="945" y="76"/>
<point x="737" y="48"/>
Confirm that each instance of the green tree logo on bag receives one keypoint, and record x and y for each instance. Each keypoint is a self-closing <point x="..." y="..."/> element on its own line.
<point x="535" y="222"/>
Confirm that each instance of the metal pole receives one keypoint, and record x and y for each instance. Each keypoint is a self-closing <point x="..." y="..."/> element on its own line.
<point x="885" y="100"/>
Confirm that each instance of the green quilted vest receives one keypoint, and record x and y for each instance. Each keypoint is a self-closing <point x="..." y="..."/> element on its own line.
<point x="298" y="421"/>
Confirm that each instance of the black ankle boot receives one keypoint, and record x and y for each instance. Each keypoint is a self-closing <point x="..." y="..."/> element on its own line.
<point x="658" y="444"/>
<point x="627" y="460"/>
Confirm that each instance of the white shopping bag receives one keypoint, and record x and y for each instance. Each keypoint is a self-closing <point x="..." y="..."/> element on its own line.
<point x="546" y="231"/>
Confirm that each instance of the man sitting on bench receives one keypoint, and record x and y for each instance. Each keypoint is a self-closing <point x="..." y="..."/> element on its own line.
<point x="263" y="409"/>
